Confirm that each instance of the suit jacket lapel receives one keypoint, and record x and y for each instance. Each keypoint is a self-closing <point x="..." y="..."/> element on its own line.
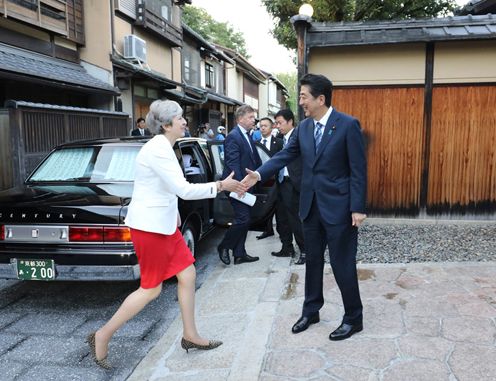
<point x="306" y="135"/>
<point x="251" y="143"/>
<point x="328" y="131"/>
<point x="273" y="146"/>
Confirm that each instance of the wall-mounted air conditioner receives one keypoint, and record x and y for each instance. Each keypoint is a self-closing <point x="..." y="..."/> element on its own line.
<point x="134" y="48"/>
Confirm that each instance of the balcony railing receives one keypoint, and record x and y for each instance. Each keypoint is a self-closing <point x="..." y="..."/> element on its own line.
<point x="148" y="19"/>
<point x="47" y="14"/>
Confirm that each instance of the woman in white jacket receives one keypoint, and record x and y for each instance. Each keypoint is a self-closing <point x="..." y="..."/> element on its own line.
<point x="154" y="219"/>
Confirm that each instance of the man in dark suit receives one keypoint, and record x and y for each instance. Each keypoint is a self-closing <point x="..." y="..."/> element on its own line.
<point x="140" y="129"/>
<point x="273" y="145"/>
<point x="289" y="180"/>
<point x="239" y="153"/>
<point x="332" y="199"/>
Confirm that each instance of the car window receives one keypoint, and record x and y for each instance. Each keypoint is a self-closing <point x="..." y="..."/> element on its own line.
<point x="262" y="151"/>
<point x="218" y="157"/>
<point x="191" y="161"/>
<point x="88" y="164"/>
<point x="64" y="165"/>
<point x="204" y="146"/>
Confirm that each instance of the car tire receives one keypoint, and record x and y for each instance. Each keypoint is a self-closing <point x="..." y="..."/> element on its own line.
<point x="190" y="237"/>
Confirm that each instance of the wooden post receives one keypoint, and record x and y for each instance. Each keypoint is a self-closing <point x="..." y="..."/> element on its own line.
<point x="429" y="79"/>
<point x="301" y="24"/>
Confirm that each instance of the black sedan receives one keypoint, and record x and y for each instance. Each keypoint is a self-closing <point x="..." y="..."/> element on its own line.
<point x="67" y="221"/>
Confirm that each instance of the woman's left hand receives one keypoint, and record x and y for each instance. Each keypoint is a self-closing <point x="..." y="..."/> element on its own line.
<point x="231" y="185"/>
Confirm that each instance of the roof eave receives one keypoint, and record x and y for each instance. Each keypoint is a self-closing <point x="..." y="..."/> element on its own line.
<point x="404" y="31"/>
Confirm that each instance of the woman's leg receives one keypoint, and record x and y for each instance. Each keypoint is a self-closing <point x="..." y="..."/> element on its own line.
<point x="133" y="304"/>
<point x="186" y="295"/>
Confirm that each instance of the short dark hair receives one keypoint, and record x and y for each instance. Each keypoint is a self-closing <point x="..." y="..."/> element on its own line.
<point x="318" y="85"/>
<point x="287" y="114"/>
<point x="140" y="120"/>
<point x="267" y="118"/>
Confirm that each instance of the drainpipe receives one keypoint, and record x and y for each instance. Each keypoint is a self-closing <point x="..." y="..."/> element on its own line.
<point x="112" y="38"/>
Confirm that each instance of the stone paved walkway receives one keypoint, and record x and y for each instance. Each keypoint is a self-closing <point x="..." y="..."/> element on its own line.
<point x="429" y="321"/>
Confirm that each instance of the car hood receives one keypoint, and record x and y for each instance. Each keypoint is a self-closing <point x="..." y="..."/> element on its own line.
<point x="78" y="203"/>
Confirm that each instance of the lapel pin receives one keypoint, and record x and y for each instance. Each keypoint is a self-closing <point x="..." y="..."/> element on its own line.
<point x="332" y="129"/>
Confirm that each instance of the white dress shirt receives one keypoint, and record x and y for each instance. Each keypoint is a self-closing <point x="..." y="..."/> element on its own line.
<point x="246" y="135"/>
<point x="324" y="119"/>
<point x="268" y="141"/>
<point x="286" y="141"/>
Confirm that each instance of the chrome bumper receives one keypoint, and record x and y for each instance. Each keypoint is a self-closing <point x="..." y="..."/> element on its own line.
<point x="82" y="273"/>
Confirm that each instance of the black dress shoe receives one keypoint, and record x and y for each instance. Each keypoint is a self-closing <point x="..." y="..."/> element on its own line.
<point x="224" y="255"/>
<point x="344" y="331"/>
<point x="265" y="235"/>
<point x="304" y="322"/>
<point x="301" y="260"/>
<point x="283" y="253"/>
<point x="245" y="259"/>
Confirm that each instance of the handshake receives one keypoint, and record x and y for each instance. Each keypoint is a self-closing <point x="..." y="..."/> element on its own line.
<point x="239" y="187"/>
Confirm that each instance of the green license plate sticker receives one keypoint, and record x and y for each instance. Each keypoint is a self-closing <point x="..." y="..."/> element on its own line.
<point x="35" y="269"/>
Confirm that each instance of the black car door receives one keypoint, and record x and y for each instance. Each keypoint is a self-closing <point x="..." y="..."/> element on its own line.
<point x="195" y="169"/>
<point x="266" y="196"/>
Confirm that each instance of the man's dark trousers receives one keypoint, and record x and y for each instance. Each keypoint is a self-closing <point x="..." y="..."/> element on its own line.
<point x="239" y="153"/>
<point x="288" y="204"/>
<point x="342" y="240"/>
<point x="235" y="236"/>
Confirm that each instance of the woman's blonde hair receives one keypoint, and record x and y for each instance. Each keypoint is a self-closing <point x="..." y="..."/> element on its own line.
<point x="161" y="114"/>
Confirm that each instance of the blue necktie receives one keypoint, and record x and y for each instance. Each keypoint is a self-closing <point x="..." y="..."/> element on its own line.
<point x="249" y="141"/>
<point x="319" y="129"/>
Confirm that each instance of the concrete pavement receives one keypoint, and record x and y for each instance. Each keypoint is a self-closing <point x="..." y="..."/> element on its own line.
<point x="426" y="321"/>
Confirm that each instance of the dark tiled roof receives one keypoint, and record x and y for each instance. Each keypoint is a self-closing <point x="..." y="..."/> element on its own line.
<point x="223" y="99"/>
<point x="144" y="72"/>
<point x="390" y="32"/>
<point x="26" y="63"/>
<point x="44" y="106"/>
<point x="205" y="44"/>
<point x="478" y="7"/>
<point x="243" y="64"/>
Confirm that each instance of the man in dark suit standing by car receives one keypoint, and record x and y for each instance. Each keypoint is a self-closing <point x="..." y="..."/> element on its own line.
<point x="289" y="180"/>
<point x="332" y="201"/>
<point x="273" y="145"/>
<point x="239" y="153"/>
<point x="140" y="129"/>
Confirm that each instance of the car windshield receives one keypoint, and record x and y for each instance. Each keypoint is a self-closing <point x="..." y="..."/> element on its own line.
<point x="97" y="164"/>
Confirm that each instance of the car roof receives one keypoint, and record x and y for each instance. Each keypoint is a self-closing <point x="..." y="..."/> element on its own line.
<point x="119" y="140"/>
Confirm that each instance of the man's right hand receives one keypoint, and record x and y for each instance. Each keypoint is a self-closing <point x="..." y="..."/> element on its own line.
<point x="250" y="179"/>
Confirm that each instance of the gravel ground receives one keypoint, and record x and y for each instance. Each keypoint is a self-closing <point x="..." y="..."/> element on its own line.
<point x="404" y="243"/>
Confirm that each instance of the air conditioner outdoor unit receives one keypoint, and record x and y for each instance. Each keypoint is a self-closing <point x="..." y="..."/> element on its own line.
<point x="134" y="48"/>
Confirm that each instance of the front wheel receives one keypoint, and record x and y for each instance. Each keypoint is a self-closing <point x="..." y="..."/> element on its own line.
<point x="190" y="237"/>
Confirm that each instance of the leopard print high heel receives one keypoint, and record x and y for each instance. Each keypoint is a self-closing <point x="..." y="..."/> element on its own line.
<point x="103" y="363"/>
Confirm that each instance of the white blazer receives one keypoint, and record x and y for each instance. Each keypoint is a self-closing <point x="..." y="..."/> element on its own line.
<point x="158" y="182"/>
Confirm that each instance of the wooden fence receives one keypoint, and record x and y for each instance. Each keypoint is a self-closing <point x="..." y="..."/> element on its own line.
<point x="28" y="132"/>
<point x="462" y="166"/>
<point x="461" y="155"/>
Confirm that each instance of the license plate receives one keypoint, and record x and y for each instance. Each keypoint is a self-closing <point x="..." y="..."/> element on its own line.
<point x="35" y="269"/>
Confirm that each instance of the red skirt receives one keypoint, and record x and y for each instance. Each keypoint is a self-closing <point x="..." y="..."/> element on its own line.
<point x="160" y="256"/>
